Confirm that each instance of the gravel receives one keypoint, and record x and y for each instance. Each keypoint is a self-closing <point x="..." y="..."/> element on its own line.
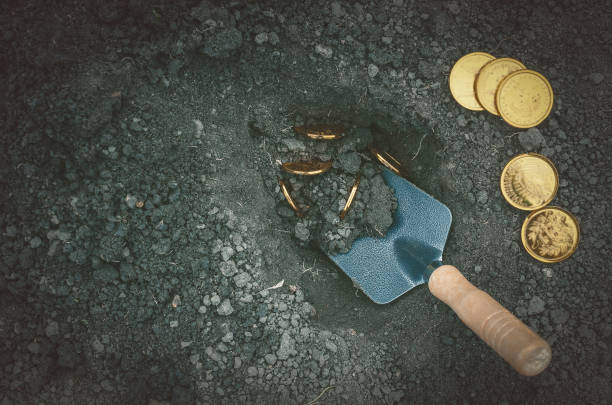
<point x="225" y="308"/>
<point x="536" y="306"/>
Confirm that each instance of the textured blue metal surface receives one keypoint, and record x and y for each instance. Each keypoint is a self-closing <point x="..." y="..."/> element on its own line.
<point x="385" y="268"/>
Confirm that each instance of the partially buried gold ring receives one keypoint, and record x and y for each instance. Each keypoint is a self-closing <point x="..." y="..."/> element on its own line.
<point x="388" y="161"/>
<point x="351" y="197"/>
<point x="289" y="199"/>
<point x="307" y="168"/>
<point x="321" y="133"/>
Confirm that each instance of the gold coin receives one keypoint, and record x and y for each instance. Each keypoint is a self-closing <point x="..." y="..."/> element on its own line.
<point x="351" y="197"/>
<point x="321" y="133"/>
<point x="550" y="234"/>
<point x="529" y="181"/>
<point x="387" y="160"/>
<point x="462" y="77"/>
<point x="489" y="78"/>
<point x="524" y="98"/>
<point x="288" y="197"/>
<point x="307" y="168"/>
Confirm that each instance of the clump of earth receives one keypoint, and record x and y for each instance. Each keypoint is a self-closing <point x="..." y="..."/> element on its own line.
<point x="321" y="198"/>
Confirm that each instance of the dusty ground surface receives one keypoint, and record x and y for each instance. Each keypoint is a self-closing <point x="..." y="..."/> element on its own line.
<point x="140" y="224"/>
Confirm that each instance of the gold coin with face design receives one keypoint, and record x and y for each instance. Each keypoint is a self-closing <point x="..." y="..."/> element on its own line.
<point x="550" y="234"/>
<point x="529" y="181"/>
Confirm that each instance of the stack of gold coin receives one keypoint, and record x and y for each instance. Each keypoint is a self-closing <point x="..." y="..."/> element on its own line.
<point x="529" y="182"/>
<point x="505" y="87"/>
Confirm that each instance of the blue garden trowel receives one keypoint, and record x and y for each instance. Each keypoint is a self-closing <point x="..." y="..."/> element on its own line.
<point x="410" y="254"/>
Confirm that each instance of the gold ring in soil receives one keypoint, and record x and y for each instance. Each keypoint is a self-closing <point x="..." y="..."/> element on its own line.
<point x="321" y="133"/>
<point x="289" y="199"/>
<point x="351" y="197"/>
<point x="462" y="77"/>
<point x="550" y="234"/>
<point x="524" y="98"/>
<point x="388" y="161"/>
<point x="529" y="181"/>
<point x="307" y="168"/>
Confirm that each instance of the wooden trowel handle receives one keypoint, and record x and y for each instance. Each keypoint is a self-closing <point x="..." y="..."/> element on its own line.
<point x="524" y="349"/>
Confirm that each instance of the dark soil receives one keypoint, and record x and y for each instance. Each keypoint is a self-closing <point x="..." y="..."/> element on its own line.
<point x="143" y="239"/>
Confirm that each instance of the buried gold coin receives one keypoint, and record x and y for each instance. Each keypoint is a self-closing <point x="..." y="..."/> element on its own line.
<point x="462" y="77"/>
<point x="307" y="168"/>
<point x="289" y="199"/>
<point x="529" y="181"/>
<point x="387" y="160"/>
<point x="550" y="234"/>
<point x="524" y="98"/>
<point x="489" y="78"/>
<point x="351" y="197"/>
<point x="321" y="133"/>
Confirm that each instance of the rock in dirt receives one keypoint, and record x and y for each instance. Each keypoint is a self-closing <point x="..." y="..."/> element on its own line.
<point x="35" y="242"/>
<point x="225" y="308"/>
<point x="536" y="306"/>
<point x="242" y="279"/>
<point x="532" y="139"/>
<point x="223" y="43"/>
<point x="372" y="70"/>
<point x="261" y="38"/>
<point x="228" y="268"/>
<point x="270" y="359"/>
<point x="324" y="51"/>
<point x="301" y="231"/>
<point x="252" y="371"/>
<point x="287" y="347"/>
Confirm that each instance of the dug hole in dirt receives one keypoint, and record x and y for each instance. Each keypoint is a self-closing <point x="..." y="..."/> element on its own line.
<point x="414" y="146"/>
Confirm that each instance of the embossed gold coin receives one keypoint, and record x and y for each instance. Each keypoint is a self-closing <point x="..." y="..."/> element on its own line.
<point x="524" y="98"/>
<point x="307" y="168"/>
<point x="387" y="160"/>
<point x="489" y="78"/>
<point x="289" y="199"/>
<point x="321" y="133"/>
<point x="351" y="197"/>
<point x="550" y="234"/>
<point x="462" y="77"/>
<point x="529" y="181"/>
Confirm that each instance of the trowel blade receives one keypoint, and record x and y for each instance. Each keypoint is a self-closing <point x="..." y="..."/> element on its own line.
<point x="385" y="268"/>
